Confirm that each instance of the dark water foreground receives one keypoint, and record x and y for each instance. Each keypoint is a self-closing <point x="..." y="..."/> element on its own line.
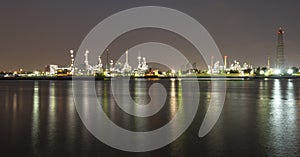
<point x="259" y="118"/>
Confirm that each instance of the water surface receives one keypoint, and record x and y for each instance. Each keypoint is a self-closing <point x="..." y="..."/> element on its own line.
<point x="259" y="118"/>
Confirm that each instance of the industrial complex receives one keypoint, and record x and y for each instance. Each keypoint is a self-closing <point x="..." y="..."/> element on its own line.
<point x="111" y="69"/>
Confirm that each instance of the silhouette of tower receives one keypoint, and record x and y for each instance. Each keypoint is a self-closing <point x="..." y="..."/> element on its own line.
<point x="280" y="50"/>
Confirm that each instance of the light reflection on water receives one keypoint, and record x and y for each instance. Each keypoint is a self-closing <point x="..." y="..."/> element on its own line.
<point x="260" y="117"/>
<point x="52" y="115"/>
<point x="35" y="118"/>
<point x="283" y="119"/>
<point x="71" y="121"/>
<point x="278" y="117"/>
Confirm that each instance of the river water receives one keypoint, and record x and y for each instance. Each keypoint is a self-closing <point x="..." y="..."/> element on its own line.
<point x="259" y="118"/>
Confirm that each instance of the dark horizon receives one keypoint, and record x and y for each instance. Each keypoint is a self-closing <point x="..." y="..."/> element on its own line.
<point x="35" y="34"/>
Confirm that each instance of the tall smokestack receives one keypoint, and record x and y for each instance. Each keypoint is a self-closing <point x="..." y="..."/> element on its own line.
<point x="268" y="64"/>
<point x="126" y="56"/>
<point x="225" y="62"/>
<point x="211" y="62"/>
<point x="86" y="56"/>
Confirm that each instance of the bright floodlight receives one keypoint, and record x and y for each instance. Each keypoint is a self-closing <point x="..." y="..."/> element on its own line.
<point x="277" y="71"/>
<point x="261" y="72"/>
<point x="290" y="71"/>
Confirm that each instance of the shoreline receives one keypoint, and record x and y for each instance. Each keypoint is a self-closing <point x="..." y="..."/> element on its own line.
<point x="213" y="77"/>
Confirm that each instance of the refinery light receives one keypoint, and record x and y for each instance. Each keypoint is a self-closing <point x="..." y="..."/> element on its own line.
<point x="290" y="71"/>
<point x="277" y="72"/>
<point x="261" y="72"/>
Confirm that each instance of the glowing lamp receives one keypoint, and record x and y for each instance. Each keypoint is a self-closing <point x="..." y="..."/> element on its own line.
<point x="277" y="72"/>
<point x="290" y="71"/>
<point x="261" y="72"/>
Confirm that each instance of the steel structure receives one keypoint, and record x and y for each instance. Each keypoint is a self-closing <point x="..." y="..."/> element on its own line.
<point x="280" y="50"/>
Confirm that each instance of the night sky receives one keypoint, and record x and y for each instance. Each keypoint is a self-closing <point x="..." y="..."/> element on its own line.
<point x="38" y="33"/>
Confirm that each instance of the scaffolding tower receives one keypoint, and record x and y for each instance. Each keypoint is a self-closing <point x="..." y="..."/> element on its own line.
<point x="280" y="50"/>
